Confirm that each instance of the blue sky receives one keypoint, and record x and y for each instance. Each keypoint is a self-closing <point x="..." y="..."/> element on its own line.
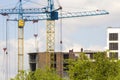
<point x="86" y="32"/>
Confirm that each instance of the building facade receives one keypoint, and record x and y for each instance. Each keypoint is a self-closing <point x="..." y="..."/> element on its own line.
<point x="42" y="60"/>
<point x="113" y="42"/>
<point x="38" y="60"/>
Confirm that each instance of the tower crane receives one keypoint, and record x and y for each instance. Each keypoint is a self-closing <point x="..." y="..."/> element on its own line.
<point x="48" y="13"/>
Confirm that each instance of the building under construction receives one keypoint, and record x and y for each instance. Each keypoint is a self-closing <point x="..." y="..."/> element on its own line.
<point x="38" y="60"/>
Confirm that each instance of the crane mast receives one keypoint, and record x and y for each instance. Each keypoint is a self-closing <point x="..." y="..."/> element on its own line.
<point x="50" y="36"/>
<point x="20" y="39"/>
<point x="46" y="13"/>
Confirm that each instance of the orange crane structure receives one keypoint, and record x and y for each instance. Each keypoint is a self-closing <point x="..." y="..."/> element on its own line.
<point x="48" y="13"/>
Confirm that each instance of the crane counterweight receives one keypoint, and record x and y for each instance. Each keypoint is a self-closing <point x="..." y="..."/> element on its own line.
<point x="21" y="23"/>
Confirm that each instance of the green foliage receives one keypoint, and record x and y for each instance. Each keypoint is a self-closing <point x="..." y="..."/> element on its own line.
<point x="22" y="75"/>
<point x="80" y="69"/>
<point x="101" y="68"/>
<point x="39" y="74"/>
<point x="105" y="68"/>
<point x="46" y="74"/>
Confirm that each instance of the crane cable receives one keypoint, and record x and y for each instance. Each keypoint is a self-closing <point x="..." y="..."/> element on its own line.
<point x="36" y="34"/>
<point x="61" y="47"/>
<point x="8" y="32"/>
<point x="4" y="49"/>
<point x="61" y="32"/>
<point x="60" y="25"/>
<point x="60" y="42"/>
<point x="7" y="56"/>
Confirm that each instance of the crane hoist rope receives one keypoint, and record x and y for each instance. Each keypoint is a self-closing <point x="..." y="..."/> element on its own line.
<point x="36" y="35"/>
<point x="61" y="48"/>
<point x="7" y="55"/>
<point x="5" y="49"/>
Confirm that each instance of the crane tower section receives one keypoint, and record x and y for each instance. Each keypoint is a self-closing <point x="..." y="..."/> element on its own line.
<point x="50" y="41"/>
<point x="20" y="45"/>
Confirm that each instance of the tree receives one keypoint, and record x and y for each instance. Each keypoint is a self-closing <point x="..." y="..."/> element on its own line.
<point x="105" y="68"/>
<point x="22" y="75"/>
<point x="80" y="68"/>
<point x="101" y="68"/>
<point x="46" y="74"/>
<point x="39" y="74"/>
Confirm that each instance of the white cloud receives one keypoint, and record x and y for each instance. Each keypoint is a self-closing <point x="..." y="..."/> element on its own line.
<point x="75" y="47"/>
<point x="68" y="45"/>
<point x="96" y="48"/>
